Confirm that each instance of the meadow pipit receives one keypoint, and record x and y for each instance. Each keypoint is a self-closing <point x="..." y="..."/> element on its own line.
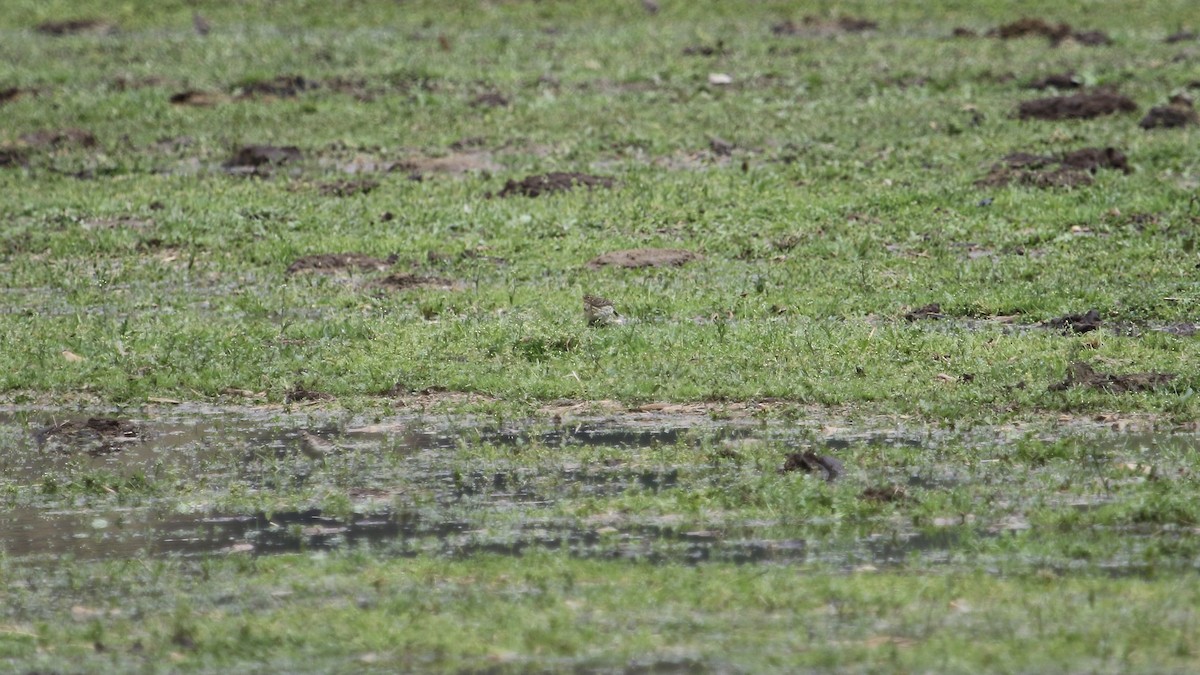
<point x="599" y="311"/>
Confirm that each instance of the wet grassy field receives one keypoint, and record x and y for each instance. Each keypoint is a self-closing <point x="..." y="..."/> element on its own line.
<point x="295" y="372"/>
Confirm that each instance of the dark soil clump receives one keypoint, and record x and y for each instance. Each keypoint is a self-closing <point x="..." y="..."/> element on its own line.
<point x="194" y="97"/>
<point x="1034" y="27"/>
<point x="280" y="86"/>
<point x="1076" y="323"/>
<point x="11" y="94"/>
<point x="75" y="27"/>
<point x="1081" y="374"/>
<point x="1073" y="169"/>
<point x="808" y="461"/>
<point x="96" y="435"/>
<point x="1028" y="26"/>
<point x="558" y="181"/>
<point x="1067" y="80"/>
<point x="1094" y="159"/>
<point x="644" y="257"/>
<point x="930" y="311"/>
<point x="1081" y="106"/>
<point x="1181" y="36"/>
<point x="347" y="188"/>
<point x="1179" y="113"/>
<point x="336" y="262"/>
<point x="403" y="280"/>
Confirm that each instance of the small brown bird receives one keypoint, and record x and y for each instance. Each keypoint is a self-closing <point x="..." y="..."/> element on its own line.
<point x="599" y="311"/>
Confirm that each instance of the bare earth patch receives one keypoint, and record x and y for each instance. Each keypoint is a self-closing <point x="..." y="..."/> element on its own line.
<point x="197" y="98"/>
<point x="337" y="262"/>
<point x="1178" y="113"/>
<point x="1082" y="374"/>
<point x="1081" y="106"/>
<point x="400" y="281"/>
<point x="644" y="257"/>
<point x="76" y="27"/>
<point x="1072" y="169"/>
<point x="1056" y="33"/>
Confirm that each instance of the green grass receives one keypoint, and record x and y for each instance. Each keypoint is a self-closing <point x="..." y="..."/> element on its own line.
<point x="857" y="203"/>
<point x="549" y="612"/>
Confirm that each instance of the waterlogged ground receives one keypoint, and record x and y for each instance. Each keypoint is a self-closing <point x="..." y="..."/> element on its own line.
<point x="653" y="487"/>
<point x="589" y="337"/>
<point x="153" y="540"/>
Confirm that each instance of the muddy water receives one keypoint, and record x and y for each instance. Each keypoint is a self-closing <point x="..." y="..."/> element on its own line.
<point x="456" y="514"/>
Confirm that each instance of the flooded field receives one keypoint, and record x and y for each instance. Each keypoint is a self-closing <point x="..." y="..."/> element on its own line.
<point x="254" y="482"/>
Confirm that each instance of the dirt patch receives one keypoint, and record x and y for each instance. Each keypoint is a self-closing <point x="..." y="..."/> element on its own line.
<point x="280" y="86"/>
<point x="1082" y="374"/>
<point x="326" y="263"/>
<point x="400" y="281"/>
<point x="816" y="26"/>
<point x="1067" y="80"/>
<point x="808" y="461"/>
<point x="1181" y="36"/>
<point x="549" y="183"/>
<point x="1056" y="33"/>
<point x="1075" y="323"/>
<point x="96" y="435"/>
<point x="76" y="27"/>
<point x="59" y="138"/>
<point x="1082" y="106"/>
<point x="194" y="97"/>
<point x="1178" y="113"/>
<point x="644" y="257"/>
<point x="1094" y="159"/>
<point x="1072" y="169"/>
<point x="347" y="188"/>
<point x="930" y="311"/>
<point x="258" y="159"/>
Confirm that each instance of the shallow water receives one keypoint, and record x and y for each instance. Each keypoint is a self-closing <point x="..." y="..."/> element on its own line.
<point x="495" y="507"/>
